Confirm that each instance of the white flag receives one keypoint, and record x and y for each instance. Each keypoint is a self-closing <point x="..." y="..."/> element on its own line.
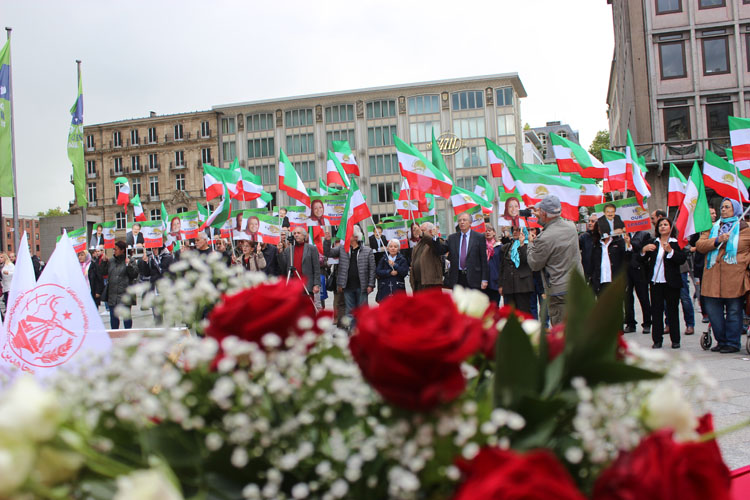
<point x="54" y="321"/>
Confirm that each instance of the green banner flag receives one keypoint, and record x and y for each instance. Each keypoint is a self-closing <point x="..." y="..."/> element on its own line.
<point x="75" y="147"/>
<point x="6" y="134"/>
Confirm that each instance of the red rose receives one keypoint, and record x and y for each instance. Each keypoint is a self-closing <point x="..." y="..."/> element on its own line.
<point x="492" y="316"/>
<point x="410" y="348"/>
<point x="660" y="468"/>
<point x="508" y="475"/>
<point x="555" y="341"/>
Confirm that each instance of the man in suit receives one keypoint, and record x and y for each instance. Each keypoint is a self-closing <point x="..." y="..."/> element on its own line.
<point x="303" y="257"/>
<point x="467" y="253"/>
<point x="98" y="237"/>
<point x="378" y="243"/>
<point x="611" y="224"/>
<point x="135" y="237"/>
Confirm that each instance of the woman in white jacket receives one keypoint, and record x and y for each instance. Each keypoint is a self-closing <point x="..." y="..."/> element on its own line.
<point x="6" y="275"/>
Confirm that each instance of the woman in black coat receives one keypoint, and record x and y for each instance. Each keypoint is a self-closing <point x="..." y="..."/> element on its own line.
<point x="614" y="259"/>
<point x="391" y="271"/>
<point x="516" y="279"/>
<point x="663" y="258"/>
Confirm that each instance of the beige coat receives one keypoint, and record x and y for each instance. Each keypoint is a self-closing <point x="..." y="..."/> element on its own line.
<point x="726" y="280"/>
<point x="426" y="264"/>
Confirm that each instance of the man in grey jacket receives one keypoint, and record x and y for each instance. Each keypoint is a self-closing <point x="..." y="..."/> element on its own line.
<point x="555" y="253"/>
<point x="356" y="272"/>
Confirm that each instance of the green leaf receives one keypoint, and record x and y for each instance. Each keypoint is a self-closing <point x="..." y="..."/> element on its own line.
<point x="615" y="372"/>
<point x="553" y="376"/>
<point x="516" y="366"/>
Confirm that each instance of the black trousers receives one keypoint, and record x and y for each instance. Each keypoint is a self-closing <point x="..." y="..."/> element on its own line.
<point x="521" y="301"/>
<point x="494" y="295"/>
<point x="640" y="286"/>
<point x="662" y="293"/>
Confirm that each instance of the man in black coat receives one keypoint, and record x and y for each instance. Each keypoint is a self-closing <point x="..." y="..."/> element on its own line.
<point x="637" y="281"/>
<point x="378" y="243"/>
<point x="586" y="246"/>
<point x="467" y="254"/>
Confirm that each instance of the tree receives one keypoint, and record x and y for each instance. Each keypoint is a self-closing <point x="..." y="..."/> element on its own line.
<point x="52" y="212"/>
<point x="601" y="141"/>
<point x="527" y="126"/>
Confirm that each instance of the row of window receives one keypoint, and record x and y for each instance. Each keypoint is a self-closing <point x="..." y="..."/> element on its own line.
<point x="714" y="45"/>
<point x="677" y="121"/>
<point x="672" y="6"/>
<point x="153" y="138"/>
<point x="152" y="164"/>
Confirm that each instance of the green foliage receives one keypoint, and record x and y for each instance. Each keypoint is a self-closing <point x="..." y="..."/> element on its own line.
<point x="52" y="212"/>
<point x="601" y="141"/>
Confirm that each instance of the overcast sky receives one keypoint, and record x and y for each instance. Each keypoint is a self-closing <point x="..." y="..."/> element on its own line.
<point x="178" y="56"/>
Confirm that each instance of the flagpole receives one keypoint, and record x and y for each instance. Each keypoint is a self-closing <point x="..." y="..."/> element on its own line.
<point x="16" y="224"/>
<point x="83" y="209"/>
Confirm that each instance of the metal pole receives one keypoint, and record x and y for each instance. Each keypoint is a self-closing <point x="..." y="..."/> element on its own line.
<point x="16" y="225"/>
<point x="83" y="209"/>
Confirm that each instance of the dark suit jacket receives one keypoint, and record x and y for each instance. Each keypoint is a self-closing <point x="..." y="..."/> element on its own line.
<point x="477" y="269"/>
<point x="96" y="240"/>
<point x="129" y="239"/>
<point x="374" y="242"/>
<point x="604" y="225"/>
<point x="672" y="273"/>
<point x="616" y="251"/>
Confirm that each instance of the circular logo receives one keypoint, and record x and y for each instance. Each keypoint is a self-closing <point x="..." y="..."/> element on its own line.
<point x="46" y="325"/>
<point x="449" y="144"/>
<point x="728" y="178"/>
<point x="419" y="166"/>
<point x="541" y="191"/>
<point x="693" y="203"/>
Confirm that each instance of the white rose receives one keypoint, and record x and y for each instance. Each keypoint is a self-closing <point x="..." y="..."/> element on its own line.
<point x="16" y="461"/>
<point x="27" y="409"/>
<point x="470" y="302"/>
<point x="54" y="466"/>
<point x="150" y="484"/>
<point x="665" y="407"/>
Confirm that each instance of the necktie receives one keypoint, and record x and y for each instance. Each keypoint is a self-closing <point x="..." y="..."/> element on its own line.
<point x="462" y="253"/>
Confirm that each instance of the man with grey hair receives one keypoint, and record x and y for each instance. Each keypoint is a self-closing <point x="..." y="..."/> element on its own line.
<point x="467" y="253"/>
<point x="555" y="253"/>
<point x="427" y="259"/>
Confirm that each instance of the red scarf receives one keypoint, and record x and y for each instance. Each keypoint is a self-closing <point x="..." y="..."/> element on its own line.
<point x="490" y="248"/>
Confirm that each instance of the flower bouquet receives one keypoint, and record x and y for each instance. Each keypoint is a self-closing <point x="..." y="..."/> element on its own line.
<point x="434" y="396"/>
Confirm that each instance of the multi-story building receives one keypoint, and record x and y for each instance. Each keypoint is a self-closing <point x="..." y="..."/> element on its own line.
<point x="532" y="148"/>
<point x="680" y="68"/>
<point x="161" y="156"/>
<point x="467" y="109"/>
<point x="562" y="129"/>
<point x="27" y="223"/>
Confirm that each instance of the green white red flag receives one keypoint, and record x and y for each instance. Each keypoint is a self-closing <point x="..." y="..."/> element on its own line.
<point x="477" y="218"/>
<point x="138" y="209"/>
<point x="534" y="187"/>
<point x="484" y="191"/>
<point x="123" y="192"/>
<point x="249" y="187"/>
<point x="325" y="189"/>
<point x="694" y="215"/>
<point x="463" y="199"/>
<point x="636" y="177"/>
<point x="344" y="154"/>
<point x="215" y="177"/>
<point x="437" y="157"/>
<point x="269" y="229"/>
<point x="676" y="187"/>
<point x="420" y="172"/>
<point x="590" y="192"/>
<point x="739" y="137"/>
<point x="290" y="182"/>
<point x="617" y="179"/>
<point x="499" y="160"/>
<point x="335" y="173"/>
<point x="571" y="157"/>
<point x="108" y="231"/>
<point x="221" y="213"/>
<point x="722" y="177"/>
<point x="356" y="211"/>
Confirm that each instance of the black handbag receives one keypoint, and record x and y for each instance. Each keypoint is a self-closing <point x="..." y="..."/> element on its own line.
<point x="331" y="279"/>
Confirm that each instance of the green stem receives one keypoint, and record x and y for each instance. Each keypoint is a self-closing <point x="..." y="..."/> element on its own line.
<point x="716" y="434"/>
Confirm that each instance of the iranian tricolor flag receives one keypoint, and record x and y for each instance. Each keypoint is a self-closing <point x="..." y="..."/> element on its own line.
<point x="590" y="192"/>
<point x="138" y="208"/>
<point x="722" y="177"/>
<point x="677" y="186"/>
<point x="437" y="157"/>
<point x="123" y="192"/>
<point x="499" y="160"/>
<point x="356" y="211"/>
<point x="477" y="219"/>
<point x="346" y="157"/>
<point x="430" y="205"/>
<point x="108" y="231"/>
<point x="694" y="216"/>
<point x="215" y="177"/>
<point x="635" y="176"/>
<point x="172" y="243"/>
<point x="534" y="187"/>
<point x="335" y="173"/>
<point x="573" y="158"/>
<point x="463" y="199"/>
<point x="269" y="229"/>
<point x="420" y="172"/>
<point x="325" y="189"/>
<point x="249" y="186"/>
<point x="739" y="136"/>
<point x="221" y="213"/>
<point x="290" y="182"/>
<point x="617" y="179"/>
<point x="484" y="191"/>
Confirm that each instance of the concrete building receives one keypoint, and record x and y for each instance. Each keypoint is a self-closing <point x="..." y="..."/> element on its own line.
<point x="562" y="129"/>
<point x="305" y="126"/>
<point x="162" y="157"/>
<point x="27" y="223"/>
<point x="532" y="148"/>
<point x="680" y="68"/>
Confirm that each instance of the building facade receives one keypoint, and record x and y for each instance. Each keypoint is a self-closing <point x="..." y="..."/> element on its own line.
<point x="305" y="126"/>
<point x="27" y="223"/>
<point x="680" y="68"/>
<point x="563" y="130"/>
<point x="161" y="156"/>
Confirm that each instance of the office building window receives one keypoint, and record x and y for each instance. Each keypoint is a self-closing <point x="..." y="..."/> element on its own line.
<point x="135" y="187"/>
<point x="672" y="60"/>
<point x="91" y="167"/>
<point x="179" y="158"/>
<point x="118" y="165"/>
<point x="470" y="99"/>
<point x="227" y="125"/>
<point x="471" y="156"/>
<point x="90" y="141"/>
<point x="206" y="156"/>
<point x="134" y="137"/>
<point x="506" y="125"/>
<point x="117" y="139"/>
<point x="300" y="143"/>
<point x="468" y="183"/>
<point x="715" y="55"/>
<point x="381" y="109"/>
<point x="153" y="182"/>
<point x="229" y="151"/>
<point x="135" y="163"/>
<point x="180" y="182"/>
<point x="384" y="164"/>
<point x="711" y="4"/>
<point x="178" y="132"/>
<point x="152" y="135"/>
<point x="383" y="192"/>
<point x="465" y="128"/>
<point x="380" y="136"/>
<point x="504" y="96"/>
<point x="155" y="214"/>
<point x="299" y="117"/>
<point x="718" y="119"/>
<point x="340" y="113"/>
<point x="677" y="123"/>
<point x="422" y="131"/>
<point x="153" y="161"/>
<point x="120" y="220"/>
<point x="258" y="148"/>
<point x="306" y="170"/>
<point x="340" y="135"/>
<point x="267" y="173"/>
<point x="181" y="210"/>
<point x="205" y="129"/>
<point x="260" y="121"/>
<point x="747" y="49"/>
<point x="92" y="192"/>
<point x="424" y="104"/>
<point x="668" y="6"/>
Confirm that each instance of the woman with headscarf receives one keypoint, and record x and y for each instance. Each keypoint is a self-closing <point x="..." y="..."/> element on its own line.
<point x="725" y="275"/>
<point x="493" y="261"/>
<point x="391" y="271"/>
<point x="516" y="280"/>
<point x="93" y="277"/>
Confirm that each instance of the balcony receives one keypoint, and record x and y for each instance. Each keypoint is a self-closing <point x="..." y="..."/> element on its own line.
<point x="113" y="172"/>
<point x="92" y="175"/>
<point x="137" y="170"/>
<point x="172" y="166"/>
<point x="153" y="197"/>
<point x="90" y="149"/>
<point x="154" y="168"/>
<point x="658" y="154"/>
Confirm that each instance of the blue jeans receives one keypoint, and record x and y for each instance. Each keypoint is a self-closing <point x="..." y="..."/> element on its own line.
<point x="114" y="321"/>
<point x="687" y="304"/>
<point x="727" y="330"/>
<point x="353" y="299"/>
